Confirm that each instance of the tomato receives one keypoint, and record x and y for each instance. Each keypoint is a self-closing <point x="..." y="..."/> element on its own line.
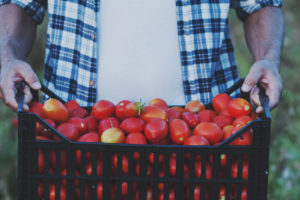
<point x="196" y="140"/>
<point x="224" y="112"/>
<point x="223" y="159"/>
<point x="159" y="103"/>
<point x="227" y="130"/>
<point x="87" y="192"/>
<point x="69" y="131"/>
<point x="135" y="138"/>
<point x="109" y="122"/>
<point x="39" y="137"/>
<point x="206" y="115"/>
<point x="161" y="158"/>
<point x="173" y="167"/>
<point x="103" y="109"/>
<point x="244" y="139"/>
<point x="190" y="118"/>
<point x="55" y="110"/>
<point x="91" y="123"/>
<point x="222" y="120"/>
<point x="173" y="114"/>
<point x="120" y="109"/>
<point x="52" y="192"/>
<point x="132" y="124"/>
<point x="40" y="161"/>
<point x="244" y="119"/>
<point x="62" y="161"/>
<point x="37" y="108"/>
<point x="198" y="169"/>
<point x="194" y="106"/>
<point x="221" y="101"/>
<point x="179" y="131"/>
<point x="88" y="137"/>
<point x="99" y="191"/>
<point x="154" y="112"/>
<point x="197" y="193"/>
<point x="137" y="169"/>
<point x="149" y="193"/>
<point x="222" y="193"/>
<point x="43" y="130"/>
<point x="78" y="112"/>
<point x="124" y="159"/>
<point x="79" y="123"/>
<point x="89" y="168"/>
<point x="244" y="193"/>
<point x="113" y="135"/>
<point x="211" y="131"/>
<point x="64" y="173"/>
<point x="40" y="189"/>
<point x="134" y="109"/>
<point x="238" y="107"/>
<point x="166" y="141"/>
<point x="178" y="109"/>
<point x="156" y="129"/>
<point x="234" y="169"/>
<point x="72" y="105"/>
<point x="171" y="195"/>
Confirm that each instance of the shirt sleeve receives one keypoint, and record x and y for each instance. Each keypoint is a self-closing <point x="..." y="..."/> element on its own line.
<point x="245" y="7"/>
<point x="35" y="8"/>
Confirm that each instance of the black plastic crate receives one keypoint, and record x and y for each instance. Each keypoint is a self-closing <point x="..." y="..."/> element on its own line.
<point x="80" y="185"/>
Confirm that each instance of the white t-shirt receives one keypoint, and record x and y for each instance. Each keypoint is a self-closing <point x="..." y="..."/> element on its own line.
<point x="139" y="51"/>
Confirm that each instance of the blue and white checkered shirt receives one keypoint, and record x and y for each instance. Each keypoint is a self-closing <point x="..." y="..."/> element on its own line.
<point x="207" y="56"/>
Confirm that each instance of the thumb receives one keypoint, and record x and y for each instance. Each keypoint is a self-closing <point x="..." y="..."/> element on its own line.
<point x="31" y="78"/>
<point x="251" y="79"/>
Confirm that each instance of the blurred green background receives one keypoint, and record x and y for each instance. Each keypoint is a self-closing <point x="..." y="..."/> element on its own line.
<point x="284" y="174"/>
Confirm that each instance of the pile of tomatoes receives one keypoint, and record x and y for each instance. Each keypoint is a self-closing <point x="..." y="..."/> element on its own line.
<point x="135" y="123"/>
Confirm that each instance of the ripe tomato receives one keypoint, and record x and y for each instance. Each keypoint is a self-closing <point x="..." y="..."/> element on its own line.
<point x="160" y="158"/>
<point x="91" y="123"/>
<point x="39" y="137"/>
<point x="171" y="195"/>
<point x="52" y="192"/>
<point x="190" y="118"/>
<point x="113" y="135"/>
<point x="159" y="103"/>
<point x="238" y="107"/>
<point x="79" y="123"/>
<point x="194" y="106"/>
<point x="124" y="159"/>
<point x="64" y="173"/>
<point x="62" y="161"/>
<point x="40" y="189"/>
<point x="89" y="168"/>
<point x="211" y="131"/>
<point x="78" y="112"/>
<point x="179" y="131"/>
<point x="178" y="109"/>
<point x="244" y="119"/>
<point x="196" y="140"/>
<point x="151" y="112"/>
<point x="198" y="169"/>
<point x="55" y="110"/>
<point x="120" y="109"/>
<point x="234" y="169"/>
<point x="106" y="123"/>
<point x="135" y="138"/>
<point x="173" y="167"/>
<point x="137" y="169"/>
<point x="133" y="109"/>
<point x="72" y="105"/>
<point x="220" y="101"/>
<point x="99" y="191"/>
<point x="43" y="130"/>
<point x="68" y="130"/>
<point x="206" y="115"/>
<point x="156" y="129"/>
<point x="244" y="193"/>
<point x="88" y="137"/>
<point x="37" y="108"/>
<point x="41" y="161"/>
<point x="222" y="120"/>
<point x="132" y="124"/>
<point x="173" y="114"/>
<point x="245" y="139"/>
<point x="197" y="193"/>
<point x="103" y="109"/>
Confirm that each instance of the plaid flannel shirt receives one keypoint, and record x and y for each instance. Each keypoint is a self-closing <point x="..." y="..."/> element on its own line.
<point x="207" y="56"/>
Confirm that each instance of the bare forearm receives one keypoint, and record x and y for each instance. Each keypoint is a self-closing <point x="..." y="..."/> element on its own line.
<point x="264" y="33"/>
<point x="17" y="33"/>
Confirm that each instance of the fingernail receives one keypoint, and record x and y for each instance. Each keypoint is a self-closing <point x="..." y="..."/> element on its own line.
<point x="246" y="88"/>
<point x="36" y="85"/>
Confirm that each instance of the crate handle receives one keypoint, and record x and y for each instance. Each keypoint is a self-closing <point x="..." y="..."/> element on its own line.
<point x="20" y="95"/>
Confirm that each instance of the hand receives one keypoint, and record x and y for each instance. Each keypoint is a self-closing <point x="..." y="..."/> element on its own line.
<point x="12" y="72"/>
<point x="265" y="72"/>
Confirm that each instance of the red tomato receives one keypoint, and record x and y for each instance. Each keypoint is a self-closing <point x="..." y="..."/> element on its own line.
<point x="43" y="130"/>
<point x="113" y="135"/>
<point x="124" y="159"/>
<point x="63" y="159"/>
<point x="40" y="161"/>
<point x="89" y="168"/>
<point x="179" y="131"/>
<point x="109" y="122"/>
<point x="37" y="108"/>
<point x="69" y="131"/>
<point x="39" y="137"/>
<point x="78" y="112"/>
<point x="40" y="190"/>
<point x="135" y="138"/>
<point x="178" y="109"/>
<point x="171" y="195"/>
<point x="79" y="123"/>
<point x="221" y="101"/>
<point x="72" y="105"/>
<point x="173" y="114"/>
<point x="55" y="110"/>
<point x="99" y="191"/>
<point x="198" y="169"/>
<point x="206" y="115"/>
<point x="211" y="131"/>
<point x="160" y="158"/>
<point x="222" y="120"/>
<point x="190" y="118"/>
<point x="137" y="169"/>
<point x="244" y="193"/>
<point x="245" y="139"/>
<point x="194" y="106"/>
<point x="225" y="112"/>
<point x="244" y="119"/>
<point x="91" y="123"/>
<point x="88" y="137"/>
<point x="234" y="169"/>
<point x="159" y="103"/>
<point x="197" y="193"/>
<point x="166" y="141"/>
<point x="173" y="167"/>
<point x="64" y="173"/>
<point x="196" y="140"/>
<point x="227" y="130"/>
<point x="238" y="107"/>
<point x="148" y="194"/>
<point x="120" y="109"/>
<point x="151" y="112"/>
<point x="132" y="124"/>
<point x="133" y="109"/>
<point x="52" y="192"/>
<point x="156" y="129"/>
<point x="103" y="109"/>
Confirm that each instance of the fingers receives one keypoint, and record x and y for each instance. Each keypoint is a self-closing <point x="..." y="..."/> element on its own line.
<point x="31" y="78"/>
<point x="252" y="78"/>
<point x="255" y="100"/>
<point x="8" y="95"/>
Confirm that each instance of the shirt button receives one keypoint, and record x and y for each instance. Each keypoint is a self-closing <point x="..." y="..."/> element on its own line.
<point x="91" y="82"/>
<point x="93" y="36"/>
